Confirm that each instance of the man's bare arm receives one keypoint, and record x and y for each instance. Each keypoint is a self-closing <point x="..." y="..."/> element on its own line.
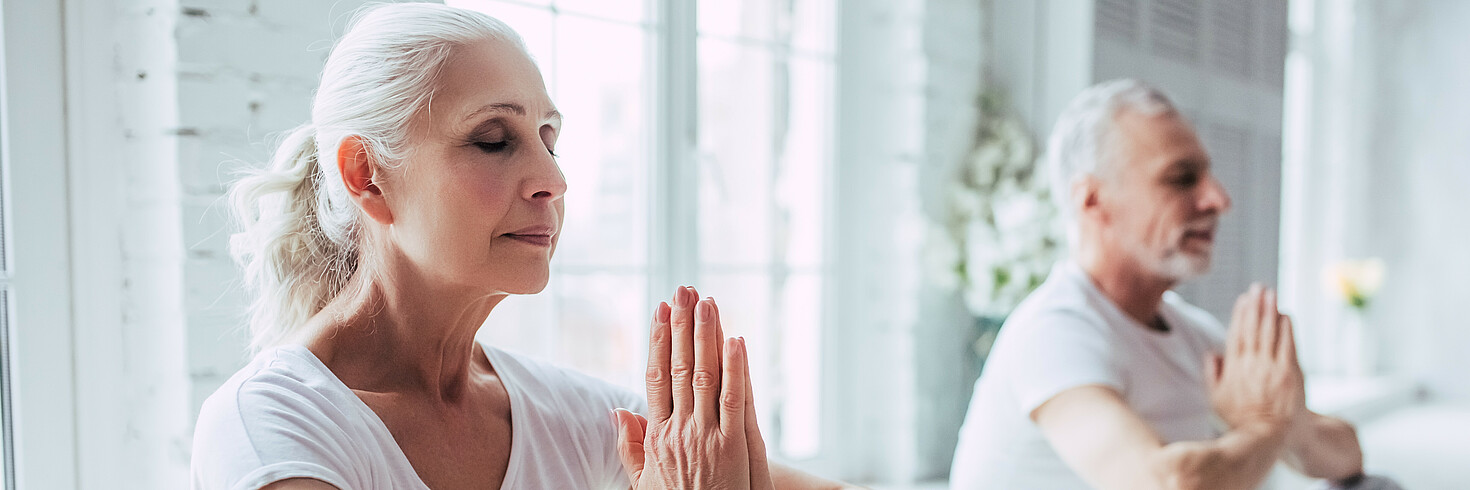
<point x="1324" y="447"/>
<point x="787" y="478"/>
<point x="1111" y="447"/>
<point x="1256" y="387"/>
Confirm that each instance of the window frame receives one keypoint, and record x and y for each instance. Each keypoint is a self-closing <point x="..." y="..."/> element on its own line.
<point x="32" y="88"/>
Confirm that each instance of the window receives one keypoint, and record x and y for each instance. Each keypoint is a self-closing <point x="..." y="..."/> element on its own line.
<point x="7" y="438"/>
<point x="744" y="216"/>
<point x="37" y="386"/>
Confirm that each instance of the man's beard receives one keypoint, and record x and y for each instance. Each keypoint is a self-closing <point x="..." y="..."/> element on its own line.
<point x="1180" y="265"/>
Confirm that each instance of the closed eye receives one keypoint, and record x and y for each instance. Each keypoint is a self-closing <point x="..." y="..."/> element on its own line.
<point x="495" y="147"/>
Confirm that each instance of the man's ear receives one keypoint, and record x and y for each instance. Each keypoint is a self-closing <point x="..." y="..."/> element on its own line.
<point x="360" y="176"/>
<point x="1087" y="196"/>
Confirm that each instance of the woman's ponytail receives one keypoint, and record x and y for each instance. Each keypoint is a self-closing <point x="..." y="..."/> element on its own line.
<point x="295" y="246"/>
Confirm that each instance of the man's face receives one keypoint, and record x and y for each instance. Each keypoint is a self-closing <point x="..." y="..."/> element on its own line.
<point x="1156" y="198"/>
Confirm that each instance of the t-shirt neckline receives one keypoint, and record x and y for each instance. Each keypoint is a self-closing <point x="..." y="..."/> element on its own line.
<point x="1080" y="275"/>
<point x="512" y="391"/>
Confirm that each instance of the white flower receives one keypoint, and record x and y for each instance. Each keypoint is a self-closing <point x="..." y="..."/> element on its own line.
<point x="986" y="163"/>
<point x="940" y="256"/>
<point x="967" y="203"/>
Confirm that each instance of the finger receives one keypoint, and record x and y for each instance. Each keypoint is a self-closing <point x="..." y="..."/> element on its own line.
<point x="706" y="365"/>
<point x="760" y="468"/>
<point x="660" y="401"/>
<point x="630" y="443"/>
<point x="1287" y="346"/>
<point x="719" y="332"/>
<point x="733" y="391"/>
<point x="681" y="369"/>
<point x="1251" y="334"/>
<point x="1238" y="322"/>
<point x="1214" y="366"/>
<point x="1270" y="319"/>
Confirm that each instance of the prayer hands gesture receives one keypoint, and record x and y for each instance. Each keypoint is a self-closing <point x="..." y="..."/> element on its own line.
<point x="1258" y="382"/>
<point x="701" y="431"/>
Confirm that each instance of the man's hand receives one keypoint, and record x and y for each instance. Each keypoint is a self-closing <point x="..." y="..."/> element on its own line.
<point x="1258" y="384"/>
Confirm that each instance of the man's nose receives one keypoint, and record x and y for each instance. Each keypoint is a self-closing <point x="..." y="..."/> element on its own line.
<point x="1215" y="197"/>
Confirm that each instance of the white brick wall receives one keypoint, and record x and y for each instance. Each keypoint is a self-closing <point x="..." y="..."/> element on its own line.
<point x="246" y="72"/>
<point x="167" y="98"/>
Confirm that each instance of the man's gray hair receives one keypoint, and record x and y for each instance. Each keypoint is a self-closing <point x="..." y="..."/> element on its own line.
<point x="1079" y="139"/>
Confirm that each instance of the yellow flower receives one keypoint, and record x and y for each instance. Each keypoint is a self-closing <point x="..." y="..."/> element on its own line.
<point x="1356" y="281"/>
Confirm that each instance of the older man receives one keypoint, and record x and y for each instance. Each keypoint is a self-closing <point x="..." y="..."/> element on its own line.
<point x="1103" y="377"/>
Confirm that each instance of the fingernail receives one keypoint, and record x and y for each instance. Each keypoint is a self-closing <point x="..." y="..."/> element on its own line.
<point x="613" y="416"/>
<point x="680" y="298"/>
<point x="661" y="315"/>
<point x="704" y="313"/>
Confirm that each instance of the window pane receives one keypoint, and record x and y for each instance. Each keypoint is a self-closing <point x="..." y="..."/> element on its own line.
<point x="803" y="167"/>
<point x="750" y="19"/>
<point x="7" y="424"/>
<point x="812" y="26"/>
<point x="602" y="325"/>
<point x="603" y="149"/>
<point x="780" y="317"/>
<point x="622" y="10"/>
<point x="799" y="314"/>
<point x="737" y="98"/>
<point x="525" y="324"/>
<point x="595" y="323"/>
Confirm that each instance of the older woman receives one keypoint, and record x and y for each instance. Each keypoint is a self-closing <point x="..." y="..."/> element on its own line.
<point x="425" y="191"/>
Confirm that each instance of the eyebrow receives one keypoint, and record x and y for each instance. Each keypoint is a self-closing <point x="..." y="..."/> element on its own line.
<point x="510" y="107"/>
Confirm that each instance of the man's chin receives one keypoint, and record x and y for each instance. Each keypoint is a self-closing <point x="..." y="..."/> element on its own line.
<point x="1185" y="266"/>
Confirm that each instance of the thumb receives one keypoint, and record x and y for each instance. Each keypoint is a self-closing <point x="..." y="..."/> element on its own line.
<point x="630" y="444"/>
<point x="1214" y="366"/>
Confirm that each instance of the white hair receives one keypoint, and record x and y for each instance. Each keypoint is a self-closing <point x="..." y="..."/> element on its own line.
<point x="298" y="236"/>
<point x="1083" y="131"/>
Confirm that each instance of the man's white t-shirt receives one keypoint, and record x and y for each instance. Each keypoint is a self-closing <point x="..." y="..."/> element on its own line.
<point x="285" y="415"/>
<point x="1065" y="335"/>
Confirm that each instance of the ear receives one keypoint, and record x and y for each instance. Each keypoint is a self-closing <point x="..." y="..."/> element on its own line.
<point x="360" y="176"/>
<point x="1087" y="196"/>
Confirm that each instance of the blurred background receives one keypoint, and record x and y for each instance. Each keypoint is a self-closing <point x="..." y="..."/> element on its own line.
<point x="853" y="180"/>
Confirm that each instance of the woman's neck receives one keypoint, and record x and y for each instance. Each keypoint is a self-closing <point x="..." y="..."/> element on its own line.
<point x="396" y="332"/>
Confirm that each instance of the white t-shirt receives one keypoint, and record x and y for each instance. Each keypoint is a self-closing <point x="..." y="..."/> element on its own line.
<point x="285" y="415"/>
<point x="1065" y="335"/>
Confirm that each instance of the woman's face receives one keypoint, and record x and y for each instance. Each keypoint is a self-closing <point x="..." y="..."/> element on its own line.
<point x="479" y="201"/>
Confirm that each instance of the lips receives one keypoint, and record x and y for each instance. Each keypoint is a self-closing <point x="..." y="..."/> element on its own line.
<point x="539" y="236"/>
<point x="1205" y="235"/>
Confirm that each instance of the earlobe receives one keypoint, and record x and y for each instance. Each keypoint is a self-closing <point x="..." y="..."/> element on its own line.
<point x="360" y="175"/>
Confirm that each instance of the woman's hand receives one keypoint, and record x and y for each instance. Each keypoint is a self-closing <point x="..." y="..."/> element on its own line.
<point x="701" y="432"/>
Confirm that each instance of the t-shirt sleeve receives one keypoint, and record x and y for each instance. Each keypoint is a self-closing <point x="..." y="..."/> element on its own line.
<point x="1054" y="351"/>
<point x="258" y="432"/>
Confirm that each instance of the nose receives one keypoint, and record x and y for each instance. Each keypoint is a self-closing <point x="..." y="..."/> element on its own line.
<point x="1215" y="197"/>
<point x="546" y="182"/>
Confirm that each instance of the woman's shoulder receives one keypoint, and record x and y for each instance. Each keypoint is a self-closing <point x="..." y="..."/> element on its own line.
<point x="283" y="413"/>
<point x="286" y="375"/>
